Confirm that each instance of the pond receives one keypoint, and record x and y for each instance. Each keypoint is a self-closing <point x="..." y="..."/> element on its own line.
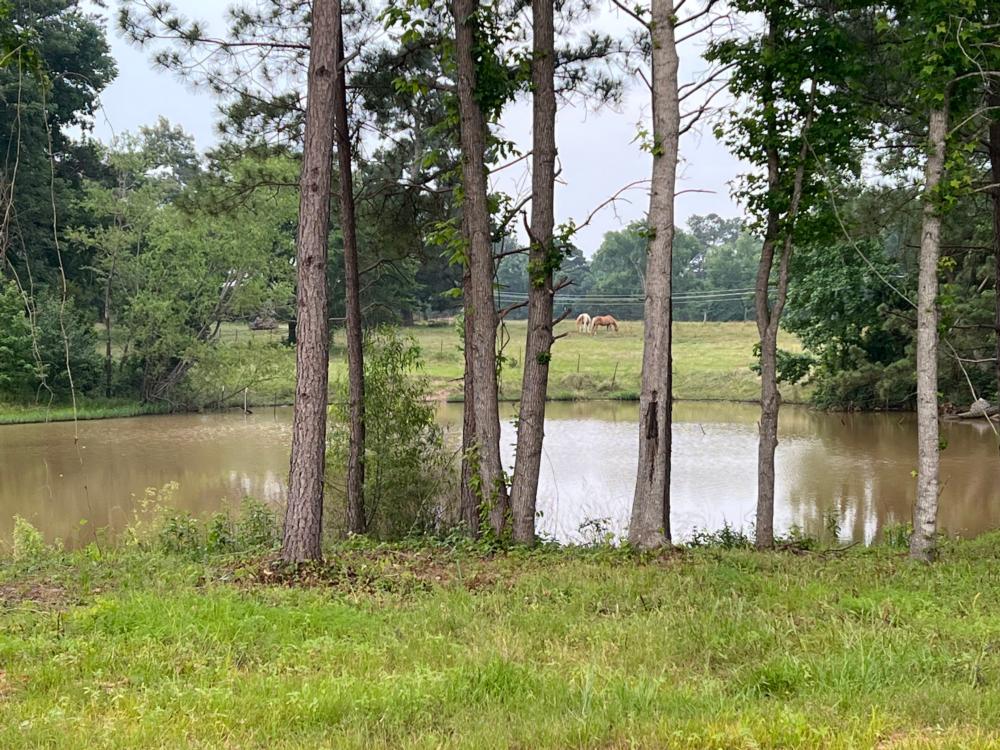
<point x="852" y="469"/>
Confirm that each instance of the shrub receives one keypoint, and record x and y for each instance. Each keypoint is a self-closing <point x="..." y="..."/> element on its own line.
<point x="158" y="526"/>
<point x="28" y="543"/>
<point x="728" y="537"/>
<point x="405" y="458"/>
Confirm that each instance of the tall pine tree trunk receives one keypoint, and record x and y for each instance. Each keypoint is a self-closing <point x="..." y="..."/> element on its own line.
<point x="356" y="522"/>
<point x="469" y="510"/>
<point x="476" y="222"/>
<point x="924" y="540"/>
<point x="542" y="259"/>
<point x="650" y="523"/>
<point x="303" y="527"/>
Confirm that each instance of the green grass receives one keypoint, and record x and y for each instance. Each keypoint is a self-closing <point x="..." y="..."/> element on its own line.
<point x="440" y="647"/>
<point x="711" y="362"/>
<point x="86" y="408"/>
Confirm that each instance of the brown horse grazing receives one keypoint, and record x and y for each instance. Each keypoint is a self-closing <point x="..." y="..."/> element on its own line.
<point x="603" y="320"/>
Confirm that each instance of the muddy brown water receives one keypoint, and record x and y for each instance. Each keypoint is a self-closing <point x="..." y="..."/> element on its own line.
<point x="854" y="468"/>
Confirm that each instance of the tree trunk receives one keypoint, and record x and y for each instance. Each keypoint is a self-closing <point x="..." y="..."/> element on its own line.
<point x="356" y="521"/>
<point x="923" y="542"/>
<point x="768" y="316"/>
<point x="304" y="516"/>
<point x="107" y="332"/>
<point x="994" y="148"/>
<point x="767" y="440"/>
<point x="469" y="510"/>
<point x="476" y="222"/>
<point x="650" y="523"/>
<point x="542" y="259"/>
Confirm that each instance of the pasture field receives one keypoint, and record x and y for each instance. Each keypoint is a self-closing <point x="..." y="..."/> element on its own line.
<point x="446" y="645"/>
<point x="711" y="362"/>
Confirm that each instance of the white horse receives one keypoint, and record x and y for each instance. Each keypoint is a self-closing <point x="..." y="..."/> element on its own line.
<point x="583" y="323"/>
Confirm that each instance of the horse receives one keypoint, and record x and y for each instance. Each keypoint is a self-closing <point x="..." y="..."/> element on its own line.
<point x="583" y="323"/>
<point x="603" y="320"/>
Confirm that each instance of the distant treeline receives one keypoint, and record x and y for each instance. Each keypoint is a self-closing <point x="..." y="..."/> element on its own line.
<point x="714" y="267"/>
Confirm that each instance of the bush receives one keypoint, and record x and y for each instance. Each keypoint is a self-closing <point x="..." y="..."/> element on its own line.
<point x="158" y="526"/>
<point x="405" y="458"/>
<point x="728" y="537"/>
<point x="29" y="546"/>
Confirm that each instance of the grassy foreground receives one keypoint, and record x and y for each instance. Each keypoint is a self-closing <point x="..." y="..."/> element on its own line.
<point x="442" y="646"/>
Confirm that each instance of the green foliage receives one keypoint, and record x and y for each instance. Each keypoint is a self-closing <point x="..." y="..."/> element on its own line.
<point x="792" y="367"/>
<point x="161" y="528"/>
<point x="728" y="537"/>
<point x="50" y="88"/>
<point x="33" y="351"/>
<point x="252" y="528"/>
<point x="406" y="465"/>
<point x="897" y="535"/>
<point x="16" y="362"/>
<point x="714" y="268"/>
<point x="27" y="542"/>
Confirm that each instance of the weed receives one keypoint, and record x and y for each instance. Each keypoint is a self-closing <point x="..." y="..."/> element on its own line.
<point x="28" y="544"/>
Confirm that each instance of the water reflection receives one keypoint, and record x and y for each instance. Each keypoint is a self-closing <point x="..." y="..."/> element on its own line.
<point x="856" y="468"/>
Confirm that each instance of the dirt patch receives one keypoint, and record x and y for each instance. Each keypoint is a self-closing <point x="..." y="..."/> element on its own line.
<point x="377" y="571"/>
<point x="40" y="593"/>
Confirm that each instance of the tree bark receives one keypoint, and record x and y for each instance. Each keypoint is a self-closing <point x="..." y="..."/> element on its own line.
<point x="994" y="149"/>
<point x="303" y="527"/>
<point x="356" y="521"/>
<point x="469" y="511"/>
<point x="542" y="259"/>
<point x="923" y="542"/>
<point x="650" y="522"/>
<point x="476" y="222"/>
<point x="108" y="369"/>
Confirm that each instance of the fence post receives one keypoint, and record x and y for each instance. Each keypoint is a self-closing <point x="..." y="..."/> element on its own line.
<point x="614" y="376"/>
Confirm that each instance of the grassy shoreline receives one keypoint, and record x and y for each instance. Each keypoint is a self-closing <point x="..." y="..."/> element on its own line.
<point x="711" y="363"/>
<point x="451" y="645"/>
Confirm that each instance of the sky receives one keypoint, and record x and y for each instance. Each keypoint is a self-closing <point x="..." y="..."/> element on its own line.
<point x="597" y="150"/>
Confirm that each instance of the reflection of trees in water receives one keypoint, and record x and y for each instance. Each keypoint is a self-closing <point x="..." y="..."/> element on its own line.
<point x="214" y="459"/>
<point x="859" y="466"/>
<point x="855" y="465"/>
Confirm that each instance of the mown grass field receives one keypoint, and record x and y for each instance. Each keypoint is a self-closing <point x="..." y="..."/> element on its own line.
<point x="448" y="647"/>
<point x="711" y="361"/>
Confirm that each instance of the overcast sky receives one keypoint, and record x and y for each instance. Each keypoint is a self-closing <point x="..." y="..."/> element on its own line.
<point x="597" y="150"/>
